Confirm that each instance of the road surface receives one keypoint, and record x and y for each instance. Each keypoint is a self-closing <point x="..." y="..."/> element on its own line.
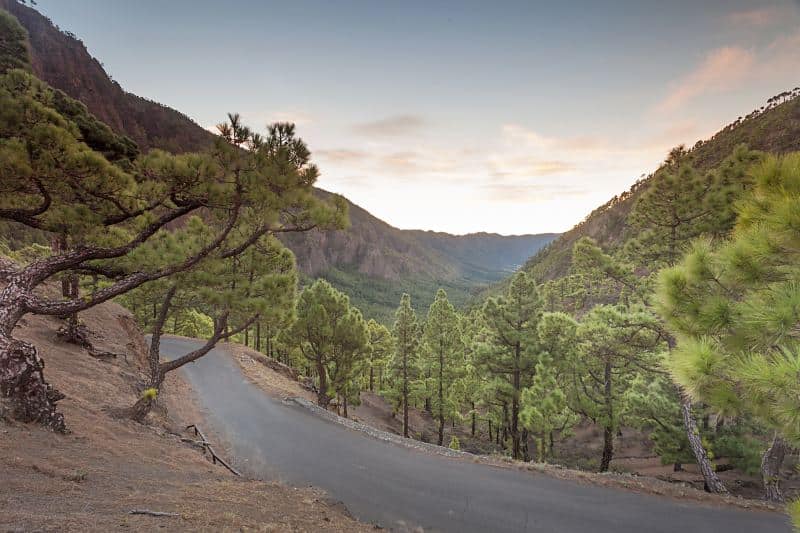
<point x="400" y="488"/>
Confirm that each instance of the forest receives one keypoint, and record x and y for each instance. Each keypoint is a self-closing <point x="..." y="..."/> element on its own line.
<point x="686" y="331"/>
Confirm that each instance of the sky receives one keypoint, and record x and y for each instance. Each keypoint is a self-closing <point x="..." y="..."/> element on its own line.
<point x="508" y="117"/>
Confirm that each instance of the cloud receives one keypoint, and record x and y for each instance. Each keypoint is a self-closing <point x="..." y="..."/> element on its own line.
<point x="342" y="155"/>
<point x="300" y="118"/>
<point x="500" y="166"/>
<point x="721" y="70"/>
<point x="530" y="193"/>
<point x="758" y="17"/>
<point x="394" y="126"/>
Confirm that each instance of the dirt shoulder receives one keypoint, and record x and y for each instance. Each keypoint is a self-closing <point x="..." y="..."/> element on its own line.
<point x="91" y="478"/>
<point x="374" y="419"/>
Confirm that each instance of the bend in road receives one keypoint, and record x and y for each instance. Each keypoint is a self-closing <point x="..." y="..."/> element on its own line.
<point x="391" y="485"/>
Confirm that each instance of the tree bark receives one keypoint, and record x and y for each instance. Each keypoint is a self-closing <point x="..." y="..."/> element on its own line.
<point x="441" y="395"/>
<point x="712" y="481"/>
<point x="608" y="430"/>
<point x="322" y="394"/>
<point x="515" y="442"/>
<point x="474" y="417"/>
<point x="608" y="448"/>
<point x="771" y="469"/>
<point x="22" y="382"/>
<point x="405" y="395"/>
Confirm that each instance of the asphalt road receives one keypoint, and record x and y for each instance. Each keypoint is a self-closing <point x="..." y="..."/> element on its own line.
<point x="400" y="488"/>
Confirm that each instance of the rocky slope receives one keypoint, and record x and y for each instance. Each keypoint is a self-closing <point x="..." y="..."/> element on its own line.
<point x="370" y="251"/>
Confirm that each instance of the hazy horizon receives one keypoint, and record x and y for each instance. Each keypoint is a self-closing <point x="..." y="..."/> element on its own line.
<point x="459" y="118"/>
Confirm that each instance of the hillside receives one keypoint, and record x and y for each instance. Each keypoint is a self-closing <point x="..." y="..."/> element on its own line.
<point x="774" y="128"/>
<point x="371" y="260"/>
<point x="91" y="478"/>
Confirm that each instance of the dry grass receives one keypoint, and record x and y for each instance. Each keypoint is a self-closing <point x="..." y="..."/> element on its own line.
<point x="89" y="479"/>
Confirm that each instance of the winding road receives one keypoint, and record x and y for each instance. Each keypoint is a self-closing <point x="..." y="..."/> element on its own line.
<point x="400" y="488"/>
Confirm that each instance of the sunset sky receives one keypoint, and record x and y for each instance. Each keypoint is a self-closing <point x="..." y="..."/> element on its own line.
<point x="509" y="117"/>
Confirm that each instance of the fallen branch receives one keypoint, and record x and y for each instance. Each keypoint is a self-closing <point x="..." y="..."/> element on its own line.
<point x="214" y="457"/>
<point x="148" y="512"/>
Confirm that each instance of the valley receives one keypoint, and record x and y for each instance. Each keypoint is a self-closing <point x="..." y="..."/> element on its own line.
<point x="159" y="276"/>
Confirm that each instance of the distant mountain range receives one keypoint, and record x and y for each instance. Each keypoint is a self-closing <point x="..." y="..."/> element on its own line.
<point x="372" y="261"/>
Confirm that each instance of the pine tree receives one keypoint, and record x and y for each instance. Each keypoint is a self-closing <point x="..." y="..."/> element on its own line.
<point x="404" y="366"/>
<point x="443" y="353"/>
<point x="735" y="309"/>
<point x="614" y="345"/>
<point x="380" y="348"/>
<point x="511" y="350"/>
<point x="54" y="183"/>
<point x="232" y="292"/>
<point x="327" y="331"/>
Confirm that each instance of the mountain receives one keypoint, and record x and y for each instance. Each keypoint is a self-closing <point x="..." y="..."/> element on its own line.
<point x="773" y="128"/>
<point x="372" y="261"/>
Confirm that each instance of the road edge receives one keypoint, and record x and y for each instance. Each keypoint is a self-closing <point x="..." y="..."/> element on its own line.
<point x="376" y="433"/>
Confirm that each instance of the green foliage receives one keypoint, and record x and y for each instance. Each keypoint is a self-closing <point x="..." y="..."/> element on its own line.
<point x="454" y="443"/>
<point x="332" y="336"/>
<point x="544" y="408"/>
<point x="13" y="47"/>
<point x="510" y="349"/>
<point x="736" y="306"/>
<point x="651" y="404"/>
<point x="193" y="323"/>
<point x="404" y="366"/>
<point x="442" y="355"/>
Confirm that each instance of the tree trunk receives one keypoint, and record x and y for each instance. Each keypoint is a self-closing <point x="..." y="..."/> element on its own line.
<point x="258" y="337"/>
<point x="712" y="481"/>
<point x="148" y="398"/>
<point x="22" y="380"/>
<point x="771" y="469"/>
<point x="441" y="395"/>
<point x="322" y="393"/>
<point x="515" y="443"/>
<point x="474" y="417"/>
<point x="490" y="430"/>
<point x="526" y="456"/>
<point x="608" y="430"/>
<point x="608" y="448"/>
<point x="405" y="395"/>
<point x="345" y="406"/>
<point x="371" y="378"/>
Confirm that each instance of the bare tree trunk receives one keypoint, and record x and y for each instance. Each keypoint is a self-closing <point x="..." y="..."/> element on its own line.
<point x="22" y="382"/>
<point x="405" y="395"/>
<point x="371" y="378"/>
<point x="345" y="406"/>
<point x="441" y="395"/>
<point x="608" y="448"/>
<point x="474" y="417"/>
<point x="145" y="403"/>
<point x="771" y="469"/>
<point x="515" y="449"/>
<point x="712" y="481"/>
<point x="608" y="430"/>
<point x="322" y="393"/>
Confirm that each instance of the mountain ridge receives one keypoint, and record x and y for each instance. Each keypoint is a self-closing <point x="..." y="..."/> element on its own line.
<point x="370" y="251"/>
